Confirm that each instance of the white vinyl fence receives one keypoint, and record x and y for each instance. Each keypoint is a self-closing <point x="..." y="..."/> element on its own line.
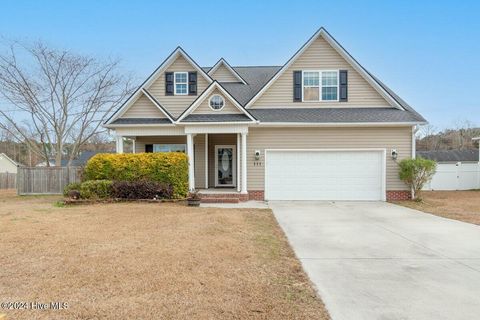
<point x="455" y="176"/>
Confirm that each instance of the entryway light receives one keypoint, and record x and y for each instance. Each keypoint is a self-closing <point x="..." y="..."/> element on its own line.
<point x="394" y="154"/>
<point x="257" y="154"/>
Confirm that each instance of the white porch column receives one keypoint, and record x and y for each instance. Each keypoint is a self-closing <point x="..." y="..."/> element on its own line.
<point x="238" y="162"/>
<point x="134" y="146"/>
<point x="206" y="160"/>
<point x="244" y="163"/>
<point x="119" y="146"/>
<point x="191" y="165"/>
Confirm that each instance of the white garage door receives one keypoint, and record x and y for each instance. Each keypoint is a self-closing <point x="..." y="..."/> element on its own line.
<point x="324" y="175"/>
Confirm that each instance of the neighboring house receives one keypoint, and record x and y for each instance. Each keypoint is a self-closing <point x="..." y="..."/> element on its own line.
<point x="80" y="161"/>
<point x="456" y="169"/>
<point x="320" y="127"/>
<point x="7" y="164"/>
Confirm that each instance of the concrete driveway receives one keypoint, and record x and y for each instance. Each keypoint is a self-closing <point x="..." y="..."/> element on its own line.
<point x="374" y="260"/>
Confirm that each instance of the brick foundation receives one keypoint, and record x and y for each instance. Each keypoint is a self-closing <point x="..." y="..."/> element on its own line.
<point x="258" y="195"/>
<point x="396" y="195"/>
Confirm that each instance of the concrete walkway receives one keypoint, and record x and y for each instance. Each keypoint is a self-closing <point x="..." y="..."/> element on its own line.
<point x="374" y="260"/>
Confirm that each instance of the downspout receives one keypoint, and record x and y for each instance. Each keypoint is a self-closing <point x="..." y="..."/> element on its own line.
<point x="414" y="151"/>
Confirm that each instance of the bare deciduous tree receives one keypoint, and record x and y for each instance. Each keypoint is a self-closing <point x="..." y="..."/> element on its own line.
<point x="53" y="97"/>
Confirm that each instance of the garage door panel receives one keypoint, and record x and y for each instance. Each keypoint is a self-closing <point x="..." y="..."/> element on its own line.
<point x="324" y="175"/>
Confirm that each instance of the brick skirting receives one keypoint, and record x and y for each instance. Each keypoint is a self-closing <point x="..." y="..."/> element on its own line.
<point x="396" y="195"/>
<point x="258" y="195"/>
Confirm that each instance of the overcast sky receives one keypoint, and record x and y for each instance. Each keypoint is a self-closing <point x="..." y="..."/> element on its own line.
<point x="427" y="52"/>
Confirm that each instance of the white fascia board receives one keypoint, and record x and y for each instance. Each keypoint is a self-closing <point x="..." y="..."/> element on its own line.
<point x="153" y="77"/>
<point x="229" y="68"/>
<point x="217" y="123"/>
<point x="338" y="124"/>
<point x="113" y="126"/>
<point x="205" y="94"/>
<point x="323" y="33"/>
<point x="476" y="138"/>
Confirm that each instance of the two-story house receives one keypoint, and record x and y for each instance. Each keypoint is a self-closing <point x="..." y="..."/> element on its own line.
<point x="320" y="127"/>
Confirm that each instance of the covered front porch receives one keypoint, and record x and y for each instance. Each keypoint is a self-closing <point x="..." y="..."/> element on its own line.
<point x="217" y="156"/>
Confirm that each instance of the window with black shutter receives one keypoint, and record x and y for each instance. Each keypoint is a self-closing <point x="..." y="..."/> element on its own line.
<point x="192" y="83"/>
<point x="169" y="83"/>
<point x="343" y="86"/>
<point x="297" y="86"/>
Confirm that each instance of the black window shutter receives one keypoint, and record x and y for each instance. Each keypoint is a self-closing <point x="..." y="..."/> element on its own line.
<point x="343" y="86"/>
<point x="169" y="83"/>
<point x="297" y="86"/>
<point x="192" y="83"/>
<point x="149" y="148"/>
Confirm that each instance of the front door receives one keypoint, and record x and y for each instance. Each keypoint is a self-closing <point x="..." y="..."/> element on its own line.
<point x="225" y="166"/>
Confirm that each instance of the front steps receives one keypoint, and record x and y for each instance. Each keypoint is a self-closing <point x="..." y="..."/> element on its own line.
<point x="221" y="196"/>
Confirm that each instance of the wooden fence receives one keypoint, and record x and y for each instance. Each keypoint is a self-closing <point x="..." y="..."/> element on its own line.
<point x="8" y="180"/>
<point x="46" y="180"/>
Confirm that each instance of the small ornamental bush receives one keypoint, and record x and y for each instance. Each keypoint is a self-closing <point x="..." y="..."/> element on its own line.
<point x="167" y="167"/>
<point x="416" y="173"/>
<point x="96" y="189"/>
<point x="143" y="189"/>
<point x="75" y="186"/>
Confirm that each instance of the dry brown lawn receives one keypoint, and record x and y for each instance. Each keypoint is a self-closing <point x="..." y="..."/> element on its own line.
<point x="458" y="205"/>
<point x="149" y="261"/>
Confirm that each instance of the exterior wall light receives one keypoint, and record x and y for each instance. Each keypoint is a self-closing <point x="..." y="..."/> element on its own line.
<point x="257" y="155"/>
<point x="394" y="154"/>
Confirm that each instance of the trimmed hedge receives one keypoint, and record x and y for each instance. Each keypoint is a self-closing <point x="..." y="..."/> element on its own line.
<point x="170" y="168"/>
<point x="74" y="186"/>
<point x="96" y="189"/>
<point x="134" y="190"/>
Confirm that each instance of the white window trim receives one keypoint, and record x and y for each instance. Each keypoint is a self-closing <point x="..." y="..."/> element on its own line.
<point x="320" y="86"/>
<point x="224" y="102"/>
<point x="175" y="83"/>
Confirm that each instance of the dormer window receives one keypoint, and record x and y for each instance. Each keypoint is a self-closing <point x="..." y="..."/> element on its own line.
<point x="319" y="86"/>
<point x="181" y="83"/>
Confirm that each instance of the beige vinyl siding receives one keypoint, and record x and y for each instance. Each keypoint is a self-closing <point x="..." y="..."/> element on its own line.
<point x="204" y="107"/>
<point x="399" y="138"/>
<point x="320" y="56"/>
<point x="199" y="150"/>
<point x="143" y="108"/>
<point x="213" y="140"/>
<point x="177" y="104"/>
<point x="222" y="74"/>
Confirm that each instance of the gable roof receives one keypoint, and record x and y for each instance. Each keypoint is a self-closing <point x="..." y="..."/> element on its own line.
<point x="257" y="79"/>
<point x="470" y="155"/>
<point x="214" y="85"/>
<point x="335" y="45"/>
<point x="154" y="76"/>
<point x="223" y="62"/>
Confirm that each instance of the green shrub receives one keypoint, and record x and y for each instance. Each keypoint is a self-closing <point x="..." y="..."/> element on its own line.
<point x="71" y="187"/>
<point x="143" y="189"/>
<point x="96" y="189"/>
<point x="167" y="167"/>
<point x="416" y="173"/>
